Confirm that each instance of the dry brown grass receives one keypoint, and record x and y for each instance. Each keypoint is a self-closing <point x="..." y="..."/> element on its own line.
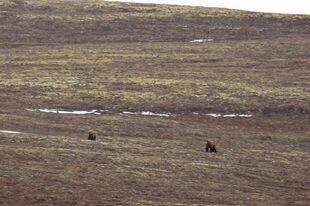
<point x="84" y="55"/>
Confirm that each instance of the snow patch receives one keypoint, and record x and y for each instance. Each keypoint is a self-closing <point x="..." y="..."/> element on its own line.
<point x="224" y="115"/>
<point x="201" y="40"/>
<point x="237" y="115"/>
<point x="229" y="115"/>
<point x="148" y="113"/>
<point x="130" y="113"/>
<point x="9" y="132"/>
<point x="61" y="111"/>
<point x="214" y="115"/>
<point x="155" y="114"/>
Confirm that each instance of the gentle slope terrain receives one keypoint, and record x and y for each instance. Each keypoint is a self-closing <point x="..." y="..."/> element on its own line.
<point x="154" y="95"/>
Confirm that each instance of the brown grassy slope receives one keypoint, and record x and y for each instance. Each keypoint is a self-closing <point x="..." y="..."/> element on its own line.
<point x="91" y="21"/>
<point x="136" y="57"/>
<point x="256" y="63"/>
<point x="155" y="161"/>
<point x="257" y="76"/>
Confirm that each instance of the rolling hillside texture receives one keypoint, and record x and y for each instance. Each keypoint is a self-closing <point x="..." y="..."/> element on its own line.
<point x="155" y="82"/>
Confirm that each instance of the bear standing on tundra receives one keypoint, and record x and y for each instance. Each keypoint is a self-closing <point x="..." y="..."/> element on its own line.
<point x="92" y="135"/>
<point x="210" y="146"/>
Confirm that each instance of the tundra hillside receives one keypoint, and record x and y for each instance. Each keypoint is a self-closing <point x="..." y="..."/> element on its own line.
<point x="158" y="81"/>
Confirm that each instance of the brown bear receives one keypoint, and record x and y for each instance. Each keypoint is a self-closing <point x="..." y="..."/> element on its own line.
<point x="210" y="146"/>
<point x="92" y="135"/>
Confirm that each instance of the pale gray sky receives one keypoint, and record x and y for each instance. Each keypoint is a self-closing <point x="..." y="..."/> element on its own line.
<point x="275" y="6"/>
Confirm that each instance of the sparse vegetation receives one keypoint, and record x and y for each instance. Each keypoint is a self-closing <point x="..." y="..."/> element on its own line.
<point x="91" y="54"/>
